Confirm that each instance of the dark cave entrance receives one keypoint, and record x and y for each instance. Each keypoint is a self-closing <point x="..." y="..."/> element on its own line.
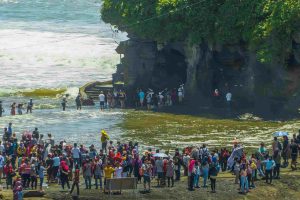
<point x="170" y="70"/>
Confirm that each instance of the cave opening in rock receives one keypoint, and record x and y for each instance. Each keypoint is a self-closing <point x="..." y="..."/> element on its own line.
<point x="170" y="70"/>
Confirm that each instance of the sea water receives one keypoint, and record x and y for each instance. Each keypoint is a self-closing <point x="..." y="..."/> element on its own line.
<point x="54" y="45"/>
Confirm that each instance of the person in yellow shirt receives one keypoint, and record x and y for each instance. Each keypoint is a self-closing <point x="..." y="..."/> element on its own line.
<point x="108" y="172"/>
<point x="104" y="140"/>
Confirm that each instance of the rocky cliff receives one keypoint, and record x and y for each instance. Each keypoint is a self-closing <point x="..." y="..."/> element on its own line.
<point x="263" y="88"/>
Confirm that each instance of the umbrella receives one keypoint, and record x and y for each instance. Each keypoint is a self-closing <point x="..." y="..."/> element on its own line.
<point x="280" y="134"/>
<point x="161" y="155"/>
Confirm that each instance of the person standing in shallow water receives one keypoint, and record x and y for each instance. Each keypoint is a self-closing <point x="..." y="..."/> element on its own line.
<point x="29" y="106"/>
<point x="1" y="109"/>
<point x="64" y="103"/>
<point x="102" y="100"/>
<point x="78" y="101"/>
<point x="13" y="108"/>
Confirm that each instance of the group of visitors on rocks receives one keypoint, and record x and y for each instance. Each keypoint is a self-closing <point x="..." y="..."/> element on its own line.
<point x="26" y="161"/>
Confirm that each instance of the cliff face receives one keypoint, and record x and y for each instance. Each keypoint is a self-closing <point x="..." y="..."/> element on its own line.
<point x="266" y="88"/>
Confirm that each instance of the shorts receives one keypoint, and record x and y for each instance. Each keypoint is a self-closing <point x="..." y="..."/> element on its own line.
<point x="294" y="157"/>
<point x="160" y="174"/>
<point x="101" y="103"/>
<point x="146" y="179"/>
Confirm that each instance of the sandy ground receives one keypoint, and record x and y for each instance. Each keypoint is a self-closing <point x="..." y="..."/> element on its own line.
<point x="285" y="188"/>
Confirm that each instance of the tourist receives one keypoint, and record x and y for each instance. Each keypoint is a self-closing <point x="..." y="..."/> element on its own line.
<point x="276" y="145"/>
<point x="13" y="109"/>
<point x="213" y="173"/>
<point x="1" y="164"/>
<point x="76" y="179"/>
<point x="64" y="103"/>
<point x="78" y="101"/>
<point x="141" y="98"/>
<point x="87" y="174"/>
<point x="55" y="166"/>
<point x="102" y="100"/>
<point x="122" y="98"/>
<point x="29" y="106"/>
<point x="191" y="174"/>
<point x="197" y="174"/>
<point x="137" y="164"/>
<point x="98" y="172"/>
<point x="270" y="164"/>
<point x="9" y="173"/>
<point x="36" y="134"/>
<point x="177" y="162"/>
<point x="180" y="94"/>
<point x="205" y="171"/>
<point x="244" y="180"/>
<point x="20" y="109"/>
<point x="33" y="175"/>
<point x="25" y="170"/>
<point x="236" y="170"/>
<point x="285" y="151"/>
<point x="1" y="109"/>
<point x="118" y="170"/>
<point x="108" y="172"/>
<point x="149" y="100"/>
<point x="104" y="140"/>
<point x="228" y="101"/>
<point x="159" y="170"/>
<point x="64" y="171"/>
<point x="146" y="167"/>
<point x="109" y="98"/>
<point x="170" y="172"/>
<point x="76" y="154"/>
<point x="294" y="154"/>
<point x="277" y="160"/>
<point x="41" y="170"/>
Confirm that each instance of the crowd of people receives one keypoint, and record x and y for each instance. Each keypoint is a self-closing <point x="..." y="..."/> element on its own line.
<point x="26" y="161"/>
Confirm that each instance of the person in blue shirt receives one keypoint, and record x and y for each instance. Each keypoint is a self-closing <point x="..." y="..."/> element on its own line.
<point x="142" y="97"/>
<point x="9" y="129"/>
<point x="270" y="164"/>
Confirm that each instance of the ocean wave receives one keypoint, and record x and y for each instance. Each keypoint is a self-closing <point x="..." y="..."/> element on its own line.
<point x="39" y="92"/>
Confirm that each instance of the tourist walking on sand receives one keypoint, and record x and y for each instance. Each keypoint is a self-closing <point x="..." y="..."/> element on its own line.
<point x="102" y="100"/>
<point x="78" y="101"/>
<point x="76" y="179"/>
<point x="29" y="106"/>
<point x="64" y="103"/>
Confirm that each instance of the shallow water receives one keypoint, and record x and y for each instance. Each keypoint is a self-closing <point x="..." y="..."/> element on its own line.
<point x="56" y="44"/>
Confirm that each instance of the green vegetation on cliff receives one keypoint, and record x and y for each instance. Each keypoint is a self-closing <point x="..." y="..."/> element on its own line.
<point x="266" y="26"/>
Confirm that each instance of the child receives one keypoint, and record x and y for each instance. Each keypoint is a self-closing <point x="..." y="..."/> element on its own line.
<point x="76" y="180"/>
